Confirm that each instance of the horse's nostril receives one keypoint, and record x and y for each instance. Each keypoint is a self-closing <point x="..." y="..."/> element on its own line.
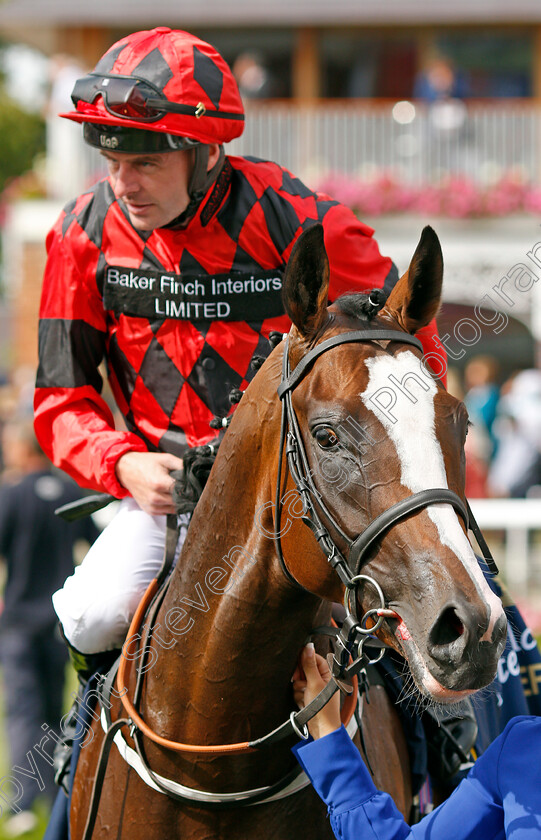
<point x="447" y="629"/>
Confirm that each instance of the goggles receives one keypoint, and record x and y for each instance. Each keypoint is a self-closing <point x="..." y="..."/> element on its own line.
<point x="131" y="98"/>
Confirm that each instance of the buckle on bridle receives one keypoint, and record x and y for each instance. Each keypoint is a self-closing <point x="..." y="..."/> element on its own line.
<point x="345" y="685"/>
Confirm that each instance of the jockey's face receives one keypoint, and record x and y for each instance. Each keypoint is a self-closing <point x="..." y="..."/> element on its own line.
<point x="153" y="187"/>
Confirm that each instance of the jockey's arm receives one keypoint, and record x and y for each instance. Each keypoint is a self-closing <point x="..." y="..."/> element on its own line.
<point x="74" y="424"/>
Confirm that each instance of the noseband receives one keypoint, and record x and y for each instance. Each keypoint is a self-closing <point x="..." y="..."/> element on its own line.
<point x="349" y="568"/>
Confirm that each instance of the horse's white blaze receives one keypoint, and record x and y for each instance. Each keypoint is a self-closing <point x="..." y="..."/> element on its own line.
<point x="402" y="398"/>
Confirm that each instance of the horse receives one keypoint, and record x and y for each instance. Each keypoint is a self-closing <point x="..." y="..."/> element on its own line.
<point x="378" y="432"/>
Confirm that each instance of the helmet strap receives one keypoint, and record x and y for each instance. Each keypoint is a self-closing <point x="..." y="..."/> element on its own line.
<point x="201" y="179"/>
<point x="199" y="184"/>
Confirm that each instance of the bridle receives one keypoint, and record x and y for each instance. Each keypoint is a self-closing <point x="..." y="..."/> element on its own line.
<point x="349" y="659"/>
<point x="317" y="516"/>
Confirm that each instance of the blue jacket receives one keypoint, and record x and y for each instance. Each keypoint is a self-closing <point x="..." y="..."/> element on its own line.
<point x="500" y="798"/>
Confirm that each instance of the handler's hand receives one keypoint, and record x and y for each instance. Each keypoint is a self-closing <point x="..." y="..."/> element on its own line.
<point x="309" y="678"/>
<point x="146" y="475"/>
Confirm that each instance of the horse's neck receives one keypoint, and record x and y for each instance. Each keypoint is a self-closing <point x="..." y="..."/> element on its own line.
<point x="244" y="623"/>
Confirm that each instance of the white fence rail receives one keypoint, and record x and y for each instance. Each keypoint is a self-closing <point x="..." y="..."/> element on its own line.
<point x="359" y="137"/>
<point x="512" y="528"/>
<point x="414" y="142"/>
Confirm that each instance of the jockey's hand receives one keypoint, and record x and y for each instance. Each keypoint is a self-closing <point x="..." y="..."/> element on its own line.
<point x="147" y="476"/>
<point x="309" y="678"/>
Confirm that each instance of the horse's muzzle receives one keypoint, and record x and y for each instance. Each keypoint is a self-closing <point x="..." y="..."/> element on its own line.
<point x="459" y="659"/>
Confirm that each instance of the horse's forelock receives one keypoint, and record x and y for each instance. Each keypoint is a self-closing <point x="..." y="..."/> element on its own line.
<point x="363" y="307"/>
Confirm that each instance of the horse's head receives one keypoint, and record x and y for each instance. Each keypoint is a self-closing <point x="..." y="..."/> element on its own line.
<point x="379" y="428"/>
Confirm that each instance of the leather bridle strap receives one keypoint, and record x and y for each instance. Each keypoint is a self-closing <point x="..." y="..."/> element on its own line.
<point x="295" y="448"/>
<point x="299" y="468"/>
<point x="412" y="504"/>
<point x="295" y="377"/>
<point x="478" y="534"/>
<point x="394" y="514"/>
<point x="97" y="786"/>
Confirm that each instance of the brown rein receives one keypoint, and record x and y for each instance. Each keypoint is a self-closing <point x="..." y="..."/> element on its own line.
<point x="346" y="713"/>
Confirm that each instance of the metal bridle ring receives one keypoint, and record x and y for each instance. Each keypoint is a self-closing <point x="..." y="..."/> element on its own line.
<point x="351" y="589"/>
<point x="302" y="734"/>
<point x="377" y="625"/>
<point x="367" y="660"/>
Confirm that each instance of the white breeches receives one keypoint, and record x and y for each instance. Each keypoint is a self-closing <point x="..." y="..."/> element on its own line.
<point x="96" y="604"/>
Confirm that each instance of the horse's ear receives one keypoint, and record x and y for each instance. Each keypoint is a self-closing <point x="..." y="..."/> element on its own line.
<point x="415" y="299"/>
<point x="306" y="282"/>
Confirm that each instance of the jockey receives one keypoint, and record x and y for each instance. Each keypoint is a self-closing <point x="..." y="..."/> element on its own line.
<point x="170" y="271"/>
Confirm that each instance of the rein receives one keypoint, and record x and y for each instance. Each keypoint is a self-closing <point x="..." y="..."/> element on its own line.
<point x="294" y="781"/>
<point x="296" y="723"/>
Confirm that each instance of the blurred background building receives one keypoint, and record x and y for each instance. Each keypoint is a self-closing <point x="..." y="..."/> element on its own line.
<point x="410" y="112"/>
<point x="390" y="106"/>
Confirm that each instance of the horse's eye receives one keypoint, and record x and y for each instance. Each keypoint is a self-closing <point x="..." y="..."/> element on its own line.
<point x="325" y="437"/>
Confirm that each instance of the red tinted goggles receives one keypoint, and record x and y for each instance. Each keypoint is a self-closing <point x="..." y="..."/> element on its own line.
<point x="132" y="98"/>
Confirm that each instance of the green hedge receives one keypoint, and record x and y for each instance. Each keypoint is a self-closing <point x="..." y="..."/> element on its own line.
<point x="22" y="138"/>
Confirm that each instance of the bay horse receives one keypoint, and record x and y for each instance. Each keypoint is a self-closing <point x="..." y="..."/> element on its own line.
<point x="241" y="604"/>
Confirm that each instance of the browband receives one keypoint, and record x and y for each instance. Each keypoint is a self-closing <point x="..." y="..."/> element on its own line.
<point x="293" y="379"/>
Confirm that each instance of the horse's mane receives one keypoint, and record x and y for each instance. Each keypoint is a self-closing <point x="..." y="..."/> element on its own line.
<point x="362" y="306"/>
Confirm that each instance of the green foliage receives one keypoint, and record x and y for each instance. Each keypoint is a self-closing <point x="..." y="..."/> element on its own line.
<point x="42" y="812"/>
<point x="22" y="138"/>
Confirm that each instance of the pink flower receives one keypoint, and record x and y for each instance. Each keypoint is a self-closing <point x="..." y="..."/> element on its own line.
<point x="454" y="196"/>
<point x="532" y="201"/>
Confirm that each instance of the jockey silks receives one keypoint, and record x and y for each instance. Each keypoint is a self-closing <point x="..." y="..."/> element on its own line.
<point x="177" y="314"/>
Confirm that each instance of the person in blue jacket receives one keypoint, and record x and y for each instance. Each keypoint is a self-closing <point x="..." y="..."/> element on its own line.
<point x="500" y="797"/>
